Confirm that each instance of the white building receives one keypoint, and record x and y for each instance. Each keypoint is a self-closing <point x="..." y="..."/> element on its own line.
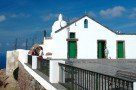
<point x="87" y="39"/>
<point x="82" y="39"/>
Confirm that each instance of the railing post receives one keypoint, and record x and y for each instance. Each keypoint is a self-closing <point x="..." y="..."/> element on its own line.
<point x="54" y="73"/>
<point x="62" y="74"/>
<point x="34" y="62"/>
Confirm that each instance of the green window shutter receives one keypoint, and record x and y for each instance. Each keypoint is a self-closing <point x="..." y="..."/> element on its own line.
<point x="99" y="50"/>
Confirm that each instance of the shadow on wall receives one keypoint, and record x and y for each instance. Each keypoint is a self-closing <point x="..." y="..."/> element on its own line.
<point x="15" y="73"/>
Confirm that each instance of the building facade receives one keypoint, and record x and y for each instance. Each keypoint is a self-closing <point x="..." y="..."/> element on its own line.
<point x="85" y="38"/>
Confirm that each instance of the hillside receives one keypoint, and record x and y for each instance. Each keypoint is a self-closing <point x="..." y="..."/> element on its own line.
<point x="6" y="82"/>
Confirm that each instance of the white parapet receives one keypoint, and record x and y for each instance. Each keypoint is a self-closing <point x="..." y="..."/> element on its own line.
<point x="54" y="75"/>
<point x="37" y="77"/>
<point x="23" y="54"/>
<point x="34" y="62"/>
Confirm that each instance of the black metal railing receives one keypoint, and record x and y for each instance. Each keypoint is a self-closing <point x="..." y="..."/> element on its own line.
<point x="74" y="78"/>
<point x="43" y="66"/>
<point x="30" y="60"/>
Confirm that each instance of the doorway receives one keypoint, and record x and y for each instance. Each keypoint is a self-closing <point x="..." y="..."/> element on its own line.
<point x="120" y="49"/>
<point x="72" y="49"/>
<point x="101" y="45"/>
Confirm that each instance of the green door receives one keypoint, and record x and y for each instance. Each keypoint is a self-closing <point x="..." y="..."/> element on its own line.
<point x="120" y="49"/>
<point x="101" y="46"/>
<point x="72" y="49"/>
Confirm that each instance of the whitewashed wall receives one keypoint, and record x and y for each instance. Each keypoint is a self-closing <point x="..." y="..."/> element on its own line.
<point x="47" y="46"/>
<point x="60" y="45"/>
<point x="130" y="45"/>
<point x="87" y="38"/>
<point x="87" y="41"/>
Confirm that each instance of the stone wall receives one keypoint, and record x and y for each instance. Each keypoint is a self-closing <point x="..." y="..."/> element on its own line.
<point x="11" y="63"/>
<point x="26" y="81"/>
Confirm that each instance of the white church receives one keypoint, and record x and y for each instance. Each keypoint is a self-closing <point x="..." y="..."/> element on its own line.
<point x="85" y="38"/>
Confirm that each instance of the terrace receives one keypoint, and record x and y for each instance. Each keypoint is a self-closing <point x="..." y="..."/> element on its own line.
<point x="90" y="74"/>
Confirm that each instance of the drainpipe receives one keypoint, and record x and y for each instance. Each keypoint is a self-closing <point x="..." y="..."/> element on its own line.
<point x="68" y="29"/>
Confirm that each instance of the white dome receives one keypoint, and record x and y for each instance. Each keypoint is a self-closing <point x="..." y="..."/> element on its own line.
<point x="63" y="23"/>
<point x="58" y="24"/>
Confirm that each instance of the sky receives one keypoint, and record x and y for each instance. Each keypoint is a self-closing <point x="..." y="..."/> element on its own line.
<point x="27" y="19"/>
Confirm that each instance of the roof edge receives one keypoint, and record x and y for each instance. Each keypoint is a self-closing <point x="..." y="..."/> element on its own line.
<point x="96" y="22"/>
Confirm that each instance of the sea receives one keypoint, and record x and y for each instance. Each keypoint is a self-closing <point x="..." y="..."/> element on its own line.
<point x="2" y="60"/>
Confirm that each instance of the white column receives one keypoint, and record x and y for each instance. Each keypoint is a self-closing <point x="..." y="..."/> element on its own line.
<point x="134" y="85"/>
<point x="34" y="62"/>
<point x="54" y="75"/>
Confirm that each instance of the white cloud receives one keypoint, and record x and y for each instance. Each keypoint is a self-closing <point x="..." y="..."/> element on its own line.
<point x="7" y="44"/>
<point x="92" y="14"/>
<point x="24" y="44"/>
<point x="14" y="15"/>
<point x="73" y="19"/>
<point x="113" y="12"/>
<point x="133" y="14"/>
<point x="19" y="15"/>
<point x="129" y="25"/>
<point x="50" y="16"/>
<point x="2" y="18"/>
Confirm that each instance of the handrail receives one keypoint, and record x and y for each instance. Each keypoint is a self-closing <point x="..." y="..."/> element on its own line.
<point x="75" y="78"/>
<point x="95" y="72"/>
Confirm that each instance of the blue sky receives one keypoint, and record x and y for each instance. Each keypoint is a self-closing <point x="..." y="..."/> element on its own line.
<point x="28" y="18"/>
